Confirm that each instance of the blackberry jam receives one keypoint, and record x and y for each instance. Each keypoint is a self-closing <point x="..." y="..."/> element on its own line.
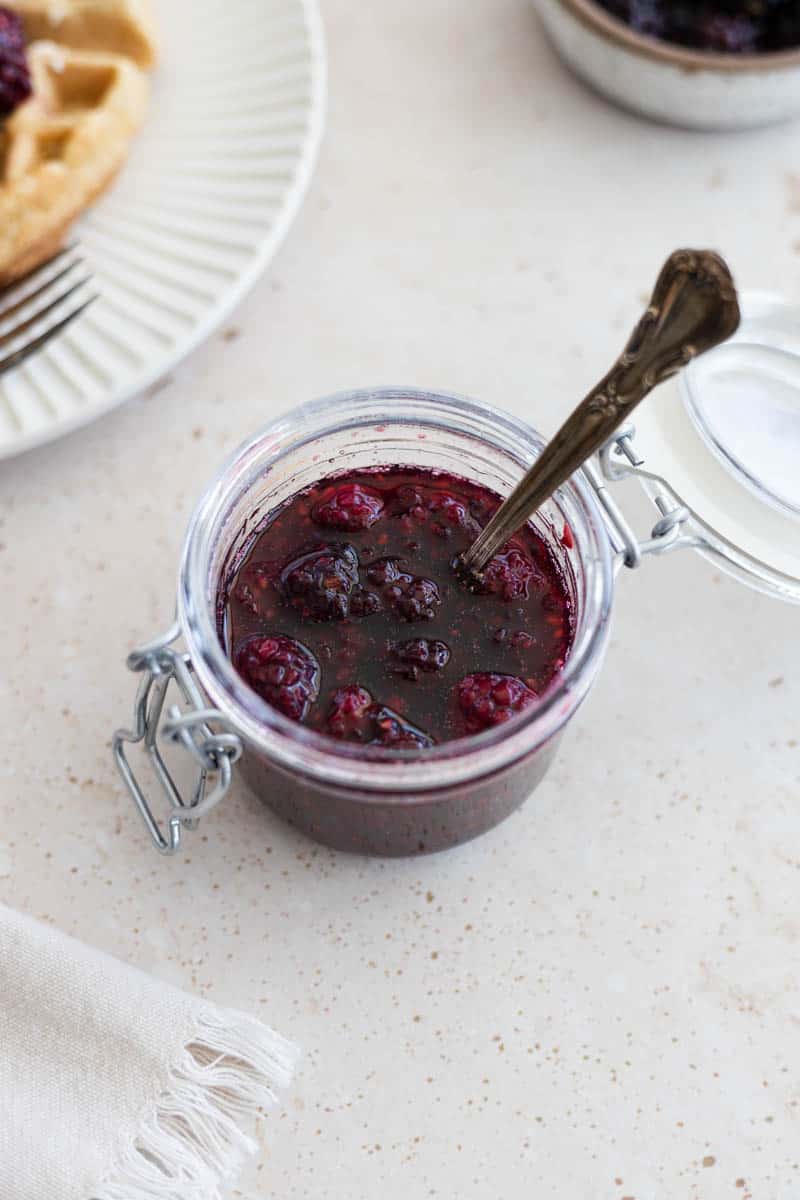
<point x="347" y="613"/>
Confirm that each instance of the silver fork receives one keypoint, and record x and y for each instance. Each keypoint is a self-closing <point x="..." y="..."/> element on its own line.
<point x="36" y="308"/>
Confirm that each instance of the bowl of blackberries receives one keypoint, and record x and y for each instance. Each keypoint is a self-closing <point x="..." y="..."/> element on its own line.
<point x="706" y="64"/>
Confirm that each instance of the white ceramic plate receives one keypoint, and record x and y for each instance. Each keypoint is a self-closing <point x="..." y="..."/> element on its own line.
<point x="209" y="191"/>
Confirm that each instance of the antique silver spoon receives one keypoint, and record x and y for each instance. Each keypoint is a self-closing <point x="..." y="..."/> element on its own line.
<point x="694" y="307"/>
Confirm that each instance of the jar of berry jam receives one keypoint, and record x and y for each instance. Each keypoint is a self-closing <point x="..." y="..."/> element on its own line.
<point x="375" y="700"/>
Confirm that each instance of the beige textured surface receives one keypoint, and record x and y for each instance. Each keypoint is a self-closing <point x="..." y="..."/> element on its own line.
<point x="599" y="999"/>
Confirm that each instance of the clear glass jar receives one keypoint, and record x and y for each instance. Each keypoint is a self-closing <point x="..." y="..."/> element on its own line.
<point x="376" y="801"/>
<point x="369" y="799"/>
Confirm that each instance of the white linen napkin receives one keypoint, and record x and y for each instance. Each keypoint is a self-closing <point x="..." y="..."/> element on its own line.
<point x="114" y="1086"/>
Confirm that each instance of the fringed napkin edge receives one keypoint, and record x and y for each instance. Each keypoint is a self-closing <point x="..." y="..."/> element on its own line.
<point x="194" y="1142"/>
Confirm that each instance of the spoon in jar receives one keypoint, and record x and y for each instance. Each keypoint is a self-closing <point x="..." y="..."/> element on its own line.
<point x="694" y="308"/>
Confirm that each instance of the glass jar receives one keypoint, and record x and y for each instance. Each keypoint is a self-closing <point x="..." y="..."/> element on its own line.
<point x="376" y="801"/>
<point x="365" y="799"/>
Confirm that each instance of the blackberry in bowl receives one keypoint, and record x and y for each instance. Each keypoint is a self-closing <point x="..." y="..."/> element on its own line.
<point x="714" y="26"/>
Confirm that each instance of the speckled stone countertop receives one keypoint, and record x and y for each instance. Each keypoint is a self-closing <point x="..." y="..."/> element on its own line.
<point x="600" y="998"/>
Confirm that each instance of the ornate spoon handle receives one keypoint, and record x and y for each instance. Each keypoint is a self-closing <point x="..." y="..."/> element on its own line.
<point x="694" y="307"/>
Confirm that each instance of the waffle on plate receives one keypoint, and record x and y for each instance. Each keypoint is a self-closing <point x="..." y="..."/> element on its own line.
<point x="73" y="92"/>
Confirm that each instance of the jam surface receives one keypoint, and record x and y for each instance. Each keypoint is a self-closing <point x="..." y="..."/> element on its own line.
<point x="719" y="26"/>
<point x="347" y="613"/>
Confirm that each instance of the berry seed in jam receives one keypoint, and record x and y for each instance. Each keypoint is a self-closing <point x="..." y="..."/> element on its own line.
<point x="348" y="613"/>
<point x="718" y="26"/>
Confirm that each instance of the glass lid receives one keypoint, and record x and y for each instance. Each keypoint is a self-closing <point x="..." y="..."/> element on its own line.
<point x="745" y="401"/>
<point x="724" y="437"/>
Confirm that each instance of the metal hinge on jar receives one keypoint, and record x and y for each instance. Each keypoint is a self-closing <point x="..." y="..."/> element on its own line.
<point x="215" y="751"/>
<point x="618" y="459"/>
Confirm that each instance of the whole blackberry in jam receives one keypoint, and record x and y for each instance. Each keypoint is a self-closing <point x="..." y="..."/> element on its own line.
<point x="488" y="699"/>
<point x="420" y="654"/>
<point x="318" y="583"/>
<point x="283" y="672"/>
<point x="349" y="507"/>
<point x="412" y="598"/>
<point x="510" y="574"/>
<point x="350" y="716"/>
<point x="448" y="513"/>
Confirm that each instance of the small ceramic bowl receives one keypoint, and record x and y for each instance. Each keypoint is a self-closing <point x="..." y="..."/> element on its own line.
<point x="671" y="83"/>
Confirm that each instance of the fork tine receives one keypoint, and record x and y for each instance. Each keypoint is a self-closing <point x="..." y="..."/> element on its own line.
<point x="18" y="356"/>
<point x="7" y="312"/>
<point x="40" y="314"/>
<point x="16" y="290"/>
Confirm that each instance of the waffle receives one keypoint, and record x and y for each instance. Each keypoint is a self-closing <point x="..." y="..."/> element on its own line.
<point x="63" y="146"/>
<point x="109" y="26"/>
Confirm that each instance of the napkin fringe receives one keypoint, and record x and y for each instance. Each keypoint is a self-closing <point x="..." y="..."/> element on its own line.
<point x="194" y="1138"/>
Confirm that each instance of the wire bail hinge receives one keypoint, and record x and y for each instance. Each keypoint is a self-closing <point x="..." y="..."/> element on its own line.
<point x="619" y="458"/>
<point x="215" y="750"/>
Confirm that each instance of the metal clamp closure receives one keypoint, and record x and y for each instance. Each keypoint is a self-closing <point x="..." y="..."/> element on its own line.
<point x="215" y="751"/>
<point x="670" y="531"/>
